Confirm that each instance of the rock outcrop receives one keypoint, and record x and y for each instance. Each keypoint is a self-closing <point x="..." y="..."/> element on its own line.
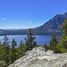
<point x="38" y="57"/>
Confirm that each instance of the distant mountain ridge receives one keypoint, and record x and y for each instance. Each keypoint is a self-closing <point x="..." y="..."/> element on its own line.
<point x="53" y="25"/>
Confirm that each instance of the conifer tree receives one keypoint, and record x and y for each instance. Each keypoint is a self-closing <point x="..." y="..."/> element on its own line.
<point x="13" y="51"/>
<point x="53" y="42"/>
<point x="62" y="46"/>
<point x="6" y="48"/>
<point x="30" y="40"/>
<point x="21" y="49"/>
<point x="64" y="36"/>
<point x="1" y="53"/>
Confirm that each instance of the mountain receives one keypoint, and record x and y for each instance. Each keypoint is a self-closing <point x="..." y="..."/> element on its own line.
<point x="53" y="25"/>
<point x="13" y="32"/>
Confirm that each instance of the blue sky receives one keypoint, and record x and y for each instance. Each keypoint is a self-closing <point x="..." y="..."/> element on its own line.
<point x="19" y="14"/>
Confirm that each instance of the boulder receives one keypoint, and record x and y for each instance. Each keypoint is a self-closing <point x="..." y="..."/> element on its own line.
<point x="39" y="57"/>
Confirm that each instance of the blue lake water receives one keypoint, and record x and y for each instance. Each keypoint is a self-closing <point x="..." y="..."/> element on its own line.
<point x="40" y="39"/>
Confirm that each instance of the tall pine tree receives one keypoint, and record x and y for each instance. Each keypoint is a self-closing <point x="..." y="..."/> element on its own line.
<point x="13" y="51"/>
<point x="30" y="40"/>
<point x="53" y="42"/>
<point x="62" y="46"/>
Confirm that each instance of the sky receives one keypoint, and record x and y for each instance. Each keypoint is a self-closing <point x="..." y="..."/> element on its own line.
<point x="22" y="14"/>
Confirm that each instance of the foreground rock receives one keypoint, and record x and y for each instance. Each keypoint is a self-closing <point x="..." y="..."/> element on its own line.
<point x="38" y="57"/>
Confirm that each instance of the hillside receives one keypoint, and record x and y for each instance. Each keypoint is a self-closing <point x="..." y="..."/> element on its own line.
<point x="53" y="25"/>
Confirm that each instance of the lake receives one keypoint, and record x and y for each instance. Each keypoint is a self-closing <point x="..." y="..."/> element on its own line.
<point x="41" y="39"/>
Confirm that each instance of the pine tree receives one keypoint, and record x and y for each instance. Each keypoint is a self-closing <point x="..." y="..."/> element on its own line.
<point x="64" y="37"/>
<point x="62" y="46"/>
<point x="53" y="42"/>
<point x="30" y="40"/>
<point x="13" y="51"/>
<point x="6" y="48"/>
<point x="1" y="48"/>
<point x="21" y="49"/>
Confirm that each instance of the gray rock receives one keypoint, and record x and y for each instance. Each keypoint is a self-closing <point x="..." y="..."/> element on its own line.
<point x="65" y="65"/>
<point x="38" y="57"/>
